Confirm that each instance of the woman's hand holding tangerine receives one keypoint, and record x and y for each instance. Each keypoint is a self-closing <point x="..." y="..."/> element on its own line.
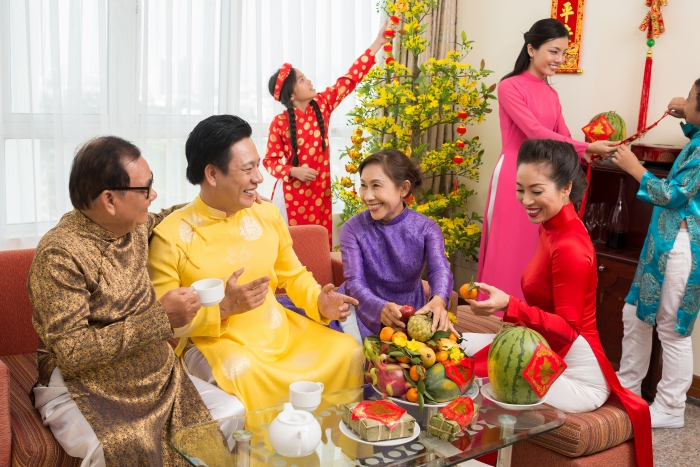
<point x="391" y="316"/>
<point x="497" y="301"/>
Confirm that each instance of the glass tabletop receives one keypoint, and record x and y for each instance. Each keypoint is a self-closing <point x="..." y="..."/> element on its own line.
<point x="494" y="428"/>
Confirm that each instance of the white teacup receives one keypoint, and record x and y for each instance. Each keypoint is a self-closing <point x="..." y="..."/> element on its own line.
<point x="209" y="291"/>
<point x="305" y="395"/>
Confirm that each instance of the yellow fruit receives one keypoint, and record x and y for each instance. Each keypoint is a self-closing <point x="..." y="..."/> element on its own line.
<point x="446" y="344"/>
<point x="386" y="334"/>
<point x="412" y="395"/>
<point x="428" y="356"/>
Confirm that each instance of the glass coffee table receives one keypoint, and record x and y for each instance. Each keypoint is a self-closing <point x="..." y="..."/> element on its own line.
<point x="494" y="428"/>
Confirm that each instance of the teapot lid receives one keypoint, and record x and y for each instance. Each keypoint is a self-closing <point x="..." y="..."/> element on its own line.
<point x="292" y="416"/>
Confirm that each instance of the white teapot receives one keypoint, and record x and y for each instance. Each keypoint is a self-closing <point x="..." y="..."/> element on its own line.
<point x="294" y="433"/>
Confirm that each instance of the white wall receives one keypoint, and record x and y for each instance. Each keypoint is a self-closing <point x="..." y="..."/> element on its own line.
<point x="612" y="57"/>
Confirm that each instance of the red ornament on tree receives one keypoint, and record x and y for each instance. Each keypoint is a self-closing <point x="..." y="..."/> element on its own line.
<point x="389" y="60"/>
<point x="394" y="19"/>
<point x="461" y="129"/>
<point x="459" y="143"/>
<point x="462" y="114"/>
<point x="458" y="160"/>
<point x="388" y="47"/>
<point x="389" y="33"/>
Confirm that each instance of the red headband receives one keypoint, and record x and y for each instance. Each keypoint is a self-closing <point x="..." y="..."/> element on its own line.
<point x="283" y="74"/>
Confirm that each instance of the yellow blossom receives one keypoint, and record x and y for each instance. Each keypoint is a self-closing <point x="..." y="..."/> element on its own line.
<point x="455" y="353"/>
<point x="413" y="345"/>
<point x="453" y="318"/>
<point x="400" y="341"/>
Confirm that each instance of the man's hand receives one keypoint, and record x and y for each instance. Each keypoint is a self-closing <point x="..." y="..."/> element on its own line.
<point x="391" y="316"/>
<point x="181" y="306"/>
<point x="334" y="305"/>
<point x="305" y="174"/>
<point x="242" y="298"/>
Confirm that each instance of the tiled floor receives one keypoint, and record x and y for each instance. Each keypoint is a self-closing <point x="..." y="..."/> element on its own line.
<point x="679" y="447"/>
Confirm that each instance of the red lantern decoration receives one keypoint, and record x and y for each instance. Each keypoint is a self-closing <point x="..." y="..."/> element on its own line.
<point x="459" y="143"/>
<point x="462" y="114"/>
<point x="394" y="19"/>
<point x="389" y="60"/>
<point x="461" y="129"/>
<point x="389" y="33"/>
<point x="458" y="160"/>
<point x="388" y="47"/>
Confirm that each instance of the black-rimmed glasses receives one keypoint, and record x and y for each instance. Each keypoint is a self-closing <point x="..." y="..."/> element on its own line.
<point x="147" y="189"/>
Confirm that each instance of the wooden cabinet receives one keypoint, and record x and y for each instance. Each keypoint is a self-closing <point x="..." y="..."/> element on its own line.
<point x="616" y="268"/>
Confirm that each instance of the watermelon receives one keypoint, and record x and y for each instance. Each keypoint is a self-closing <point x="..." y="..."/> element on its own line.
<point x="617" y="123"/>
<point x="509" y="354"/>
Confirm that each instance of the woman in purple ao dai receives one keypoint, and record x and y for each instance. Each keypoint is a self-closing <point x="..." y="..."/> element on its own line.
<point x="386" y="248"/>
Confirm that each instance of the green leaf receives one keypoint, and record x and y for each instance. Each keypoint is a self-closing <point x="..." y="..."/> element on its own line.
<point x="440" y="335"/>
<point x="464" y="36"/>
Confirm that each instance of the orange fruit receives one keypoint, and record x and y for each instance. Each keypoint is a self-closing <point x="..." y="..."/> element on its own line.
<point x="453" y="337"/>
<point x="399" y="335"/>
<point x="412" y="395"/>
<point x="414" y="374"/>
<point x="386" y="334"/>
<point x="469" y="291"/>
<point x="441" y="356"/>
<point x="403" y="359"/>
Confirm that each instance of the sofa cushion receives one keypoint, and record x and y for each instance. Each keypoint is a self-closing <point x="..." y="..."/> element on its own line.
<point x="529" y="454"/>
<point x="17" y="335"/>
<point x="33" y="444"/>
<point x="591" y="432"/>
<point x="469" y="322"/>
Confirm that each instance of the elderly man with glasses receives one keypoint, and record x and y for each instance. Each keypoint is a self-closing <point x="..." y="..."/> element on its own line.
<point x="110" y="387"/>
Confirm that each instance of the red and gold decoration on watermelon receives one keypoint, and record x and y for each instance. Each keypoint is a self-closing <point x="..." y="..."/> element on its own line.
<point x="570" y="14"/>
<point x="385" y="412"/>
<point x="604" y="126"/>
<point x="461" y="372"/>
<point x="653" y="24"/>
<point x="543" y="370"/>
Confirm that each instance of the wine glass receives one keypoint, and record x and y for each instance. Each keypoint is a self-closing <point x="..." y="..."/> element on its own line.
<point x="591" y="218"/>
<point x="602" y="220"/>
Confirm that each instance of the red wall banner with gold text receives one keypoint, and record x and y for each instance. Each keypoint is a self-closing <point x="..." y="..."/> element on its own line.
<point x="570" y="14"/>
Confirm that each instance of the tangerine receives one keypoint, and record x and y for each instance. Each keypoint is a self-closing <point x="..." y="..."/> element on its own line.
<point x="415" y="374"/>
<point x="403" y="359"/>
<point x="412" y="395"/>
<point x="441" y="356"/>
<point x="469" y="291"/>
<point x="386" y="334"/>
<point x="453" y="337"/>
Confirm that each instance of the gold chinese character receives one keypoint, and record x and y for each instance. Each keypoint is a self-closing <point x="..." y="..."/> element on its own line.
<point x="565" y="13"/>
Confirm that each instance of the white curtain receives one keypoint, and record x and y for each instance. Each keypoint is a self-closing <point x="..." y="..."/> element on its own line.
<point x="149" y="71"/>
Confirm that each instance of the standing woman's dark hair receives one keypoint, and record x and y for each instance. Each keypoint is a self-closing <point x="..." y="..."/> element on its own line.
<point x="560" y="160"/>
<point x="541" y="32"/>
<point x="285" y="97"/>
<point x="397" y="166"/>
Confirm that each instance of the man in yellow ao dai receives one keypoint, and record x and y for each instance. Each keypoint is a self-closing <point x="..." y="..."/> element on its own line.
<point x="249" y="345"/>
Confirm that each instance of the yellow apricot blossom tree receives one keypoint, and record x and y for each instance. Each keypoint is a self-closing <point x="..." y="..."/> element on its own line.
<point x="399" y="103"/>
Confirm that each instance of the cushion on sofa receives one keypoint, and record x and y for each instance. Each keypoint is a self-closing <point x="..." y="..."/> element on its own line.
<point x="591" y="432"/>
<point x="528" y="454"/>
<point x="18" y="335"/>
<point x="469" y="322"/>
<point x="33" y="444"/>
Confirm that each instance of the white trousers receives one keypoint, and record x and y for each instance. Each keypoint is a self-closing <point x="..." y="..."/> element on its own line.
<point x="677" y="356"/>
<point x="73" y="432"/>
<point x="582" y="386"/>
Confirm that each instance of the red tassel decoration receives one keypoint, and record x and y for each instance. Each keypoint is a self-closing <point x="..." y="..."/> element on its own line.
<point x="646" y="85"/>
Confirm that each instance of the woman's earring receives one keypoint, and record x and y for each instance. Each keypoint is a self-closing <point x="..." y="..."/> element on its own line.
<point x="530" y="58"/>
